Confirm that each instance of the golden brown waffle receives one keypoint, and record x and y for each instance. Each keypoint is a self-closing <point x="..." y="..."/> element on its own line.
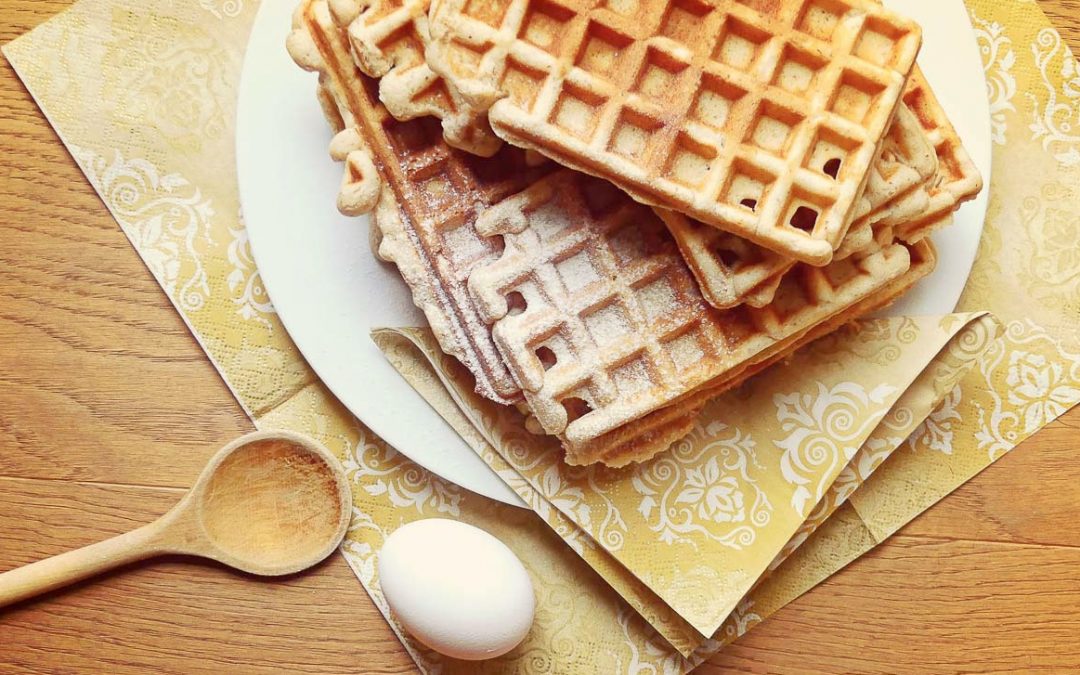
<point x="366" y="123"/>
<point x="388" y="39"/>
<point x="957" y="179"/>
<point x="930" y="206"/>
<point x="732" y="270"/>
<point x="907" y="161"/>
<point x="758" y="117"/>
<point x="362" y="186"/>
<point x="601" y="322"/>
<point x="393" y="33"/>
<point x="729" y="269"/>
<point x="654" y="433"/>
<point x="426" y="197"/>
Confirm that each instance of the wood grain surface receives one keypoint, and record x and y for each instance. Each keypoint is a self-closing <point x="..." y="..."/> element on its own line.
<point x="987" y="581"/>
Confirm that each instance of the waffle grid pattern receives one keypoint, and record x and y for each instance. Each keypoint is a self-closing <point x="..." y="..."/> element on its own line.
<point x="760" y="118"/>
<point x="388" y="38"/>
<point x="732" y="270"/>
<point x="642" y="439"/>
<point x="494" y="247"/>
<point x="957" y="179"/>
<point x="430" y="197"/>
<point x="600" y="320"/>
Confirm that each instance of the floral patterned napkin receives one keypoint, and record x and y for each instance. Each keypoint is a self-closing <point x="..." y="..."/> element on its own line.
<point x="143" y="93"/>
<point x="700" y="524"/>
<point x="719" y="500"/>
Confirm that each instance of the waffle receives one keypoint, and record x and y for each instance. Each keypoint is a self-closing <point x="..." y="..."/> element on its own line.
<point x="732" y="270"/>
<point x="729" y="269"/>
<point x="957" y="179"/>
<point x="911" y="201"/>
<point x="600" y="321"/>
<point x="761" y="118"/>
<point x="314" y="44"/>
<point x="425" y="196"/>
<point x="389" y="169"/>
<point x="388" y="38"/>
<point x="907" y="161"/>
<point x="643" y="439"/>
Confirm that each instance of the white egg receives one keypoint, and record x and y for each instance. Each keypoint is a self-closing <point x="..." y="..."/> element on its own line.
<point x="456" y="588"/>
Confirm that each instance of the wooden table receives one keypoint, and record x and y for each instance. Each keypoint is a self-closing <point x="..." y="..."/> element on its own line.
<point x="987" y="580"/>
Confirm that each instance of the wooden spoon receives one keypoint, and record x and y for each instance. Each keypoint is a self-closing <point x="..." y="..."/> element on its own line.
<point x="269" y="503"/>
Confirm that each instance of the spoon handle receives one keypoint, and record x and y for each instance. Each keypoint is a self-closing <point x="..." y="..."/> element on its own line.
<point x="67" y="568"/>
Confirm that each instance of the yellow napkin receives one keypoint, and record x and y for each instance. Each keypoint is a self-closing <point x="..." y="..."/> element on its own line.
<point x="706" y="478"/>
<point x="701" y="523"/>
<point x="143" y="93"/>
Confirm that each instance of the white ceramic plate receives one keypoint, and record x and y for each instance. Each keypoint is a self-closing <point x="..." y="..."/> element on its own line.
<point x="330" y="291"/>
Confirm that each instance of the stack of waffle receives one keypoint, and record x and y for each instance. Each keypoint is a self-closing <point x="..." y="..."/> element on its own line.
<point x="610" y="211"/>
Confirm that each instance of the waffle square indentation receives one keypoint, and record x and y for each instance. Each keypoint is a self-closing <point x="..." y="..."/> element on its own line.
<point x="658" y="77"/>
<point x="740" y="44"/>
<point x="684" y="21"/>
<point x="687" y="349"/>
<point x="607" y="324"/>
<point x="434" y="185"/>
<point x="657" y="299"/>
<point x="549" y="221"/>
<point x="879" y="43"/>
<point x="545" y="26"/>
<point x="522" y="84"/>
<point x="634" y="135"/>
<point x="690" y="161"/>
<point x="577" y="111"/>
<point x="820" y="19"/>
<point x="623" y="7"/>
<point x="403" y="46"/>
<point x="729" y="253"/>
<point x="577" y="271"/>
<point x="413" y="136"/>
<point x="805" y="211"/>
<point x="798" y="70"/>
<point x="490" y="12"/>
<point x="791" y="298"/>
<point x="856" y="97"/>
<point x="554" y="348"/>
<point x="714" y="102"/>
<point x="841" y="273"/>
<point x="601" y="50"/>
<point x="631" y="377"/>
<point x="774" y="127"/>
<point x="463" y="55"/>
<point x="747" y="185"/>
<point x="829" y="153"/>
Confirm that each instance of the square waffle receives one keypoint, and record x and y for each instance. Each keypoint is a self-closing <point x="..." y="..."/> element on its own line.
<point x="732" y="270"/>
<point x="380" y="178"/>
<point x="425" y="197"/>
<point x="929" y="207"/>
<point x="642" y="439"/>
<point x="388" y="39"/>
<point x="601" y="323"/>
<point x="957" y="179"/>
<point x="699" y="106"/>
<point x="352" y="109"/>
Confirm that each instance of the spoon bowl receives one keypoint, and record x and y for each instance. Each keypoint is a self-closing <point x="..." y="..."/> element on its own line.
<point x="269" y="503"/>
<point x="272" y="504"/>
